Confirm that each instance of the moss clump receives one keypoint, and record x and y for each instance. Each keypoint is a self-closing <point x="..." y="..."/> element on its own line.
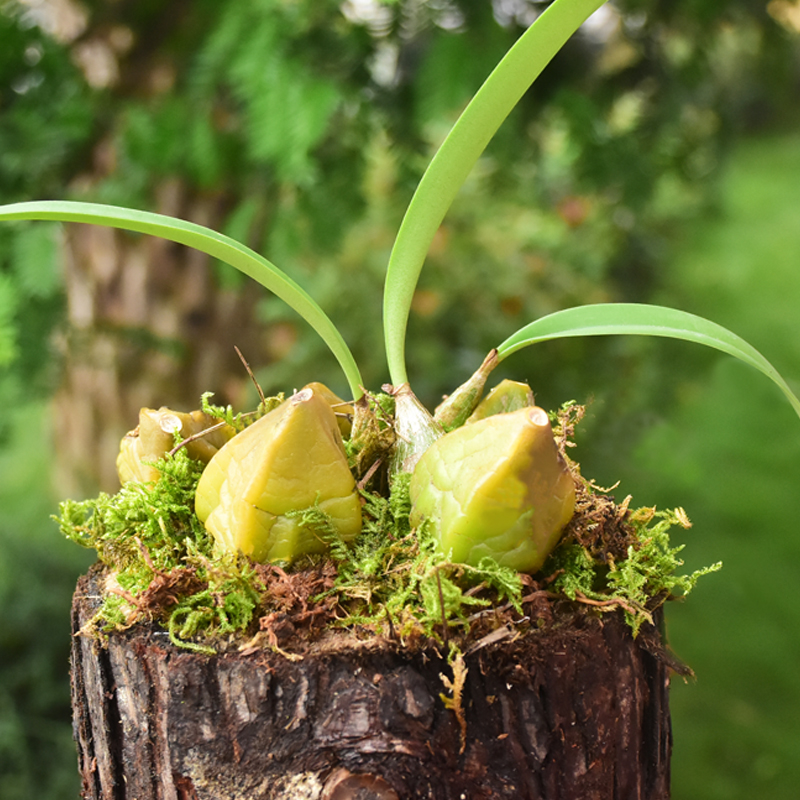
<point x="162" y="563"/>
<point x="391" y="582"/>
<point x="639" y="582"/>
<point x="155" y="517"/>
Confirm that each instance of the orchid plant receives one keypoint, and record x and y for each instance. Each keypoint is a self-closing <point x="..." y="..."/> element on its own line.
<point x="445" y="456"/>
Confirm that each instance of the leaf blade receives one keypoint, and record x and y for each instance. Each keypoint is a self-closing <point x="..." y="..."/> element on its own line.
<point x="459" y="152"/>
<point x="606" y="319"/>
<point x="207" y="241"/>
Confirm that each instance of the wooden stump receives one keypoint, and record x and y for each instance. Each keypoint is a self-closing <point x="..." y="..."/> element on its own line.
<point x="576" y="710"/>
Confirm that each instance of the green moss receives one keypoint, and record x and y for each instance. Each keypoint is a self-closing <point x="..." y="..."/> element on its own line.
<point x="226" y="606"/>
<point x="239" y="421"/>
<point x="162" y="562"/>
<point x="391" y="581"/>
<point x="158" y="517"/>
<point x="396" y="582"/>
<point x="639" y="582"/>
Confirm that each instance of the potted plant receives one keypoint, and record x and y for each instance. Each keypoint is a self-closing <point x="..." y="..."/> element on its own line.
<point x="341" y="598"/>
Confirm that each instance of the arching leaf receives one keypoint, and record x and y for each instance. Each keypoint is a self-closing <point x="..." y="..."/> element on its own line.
<point x="207" y="241"/>
<point x="457" y="155"/>
<point x="605" y="319"/>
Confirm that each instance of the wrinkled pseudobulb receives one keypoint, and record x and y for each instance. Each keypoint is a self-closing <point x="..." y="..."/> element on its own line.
<point x="343" y="410"/>
<point x="154" y="437"/>
<point x="278" y="487"/>
<point x="497" y="487"/>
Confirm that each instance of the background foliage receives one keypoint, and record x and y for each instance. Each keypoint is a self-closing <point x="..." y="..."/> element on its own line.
<point x="308" y="123"/>
<point x="729" y="452"/>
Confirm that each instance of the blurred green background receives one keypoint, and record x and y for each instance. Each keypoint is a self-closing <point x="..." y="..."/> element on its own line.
<point x="656" y="160"/>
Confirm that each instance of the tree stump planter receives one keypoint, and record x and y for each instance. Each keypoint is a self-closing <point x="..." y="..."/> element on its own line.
<point x="573" y="710"/>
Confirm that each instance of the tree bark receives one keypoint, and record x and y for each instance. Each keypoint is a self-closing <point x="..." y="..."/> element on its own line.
<point x="146" y="327"/>
<point x="577" y="709"/>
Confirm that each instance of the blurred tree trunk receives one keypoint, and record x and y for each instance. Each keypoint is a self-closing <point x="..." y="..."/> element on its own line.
<point x="147" y="326"/>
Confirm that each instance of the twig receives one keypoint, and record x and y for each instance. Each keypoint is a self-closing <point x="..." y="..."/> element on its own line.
<point x="368" y="474"/>
<point x="250" y="373"/>
<point x="614" y="602"/>
<point x="198" y="435"/>
<point x="497" y="635"/>
<point x="146" y="555"/>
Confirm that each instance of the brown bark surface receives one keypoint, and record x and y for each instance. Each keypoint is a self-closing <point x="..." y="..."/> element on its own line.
<point x="146" y="326"/>
<point x="578" y="709"/>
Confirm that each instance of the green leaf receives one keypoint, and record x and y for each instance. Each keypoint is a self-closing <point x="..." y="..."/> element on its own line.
<point x="207" y="241"/>
<point x="457" y="155"/>
<point x="604" y="319"/>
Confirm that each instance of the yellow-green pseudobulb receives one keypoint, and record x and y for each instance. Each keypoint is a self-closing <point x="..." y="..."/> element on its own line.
<point x="343" y="410"/>
<point x="154" y="437"/>
<point x="497" y="487"/>
<point x="506" y="396"/>
<point x="252" y="493"/>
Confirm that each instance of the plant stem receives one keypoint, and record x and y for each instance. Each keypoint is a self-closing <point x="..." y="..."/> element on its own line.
<point x="457" y="155"/>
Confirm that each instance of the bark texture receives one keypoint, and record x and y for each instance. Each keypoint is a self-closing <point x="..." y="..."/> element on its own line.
<point x="567" y="712"/>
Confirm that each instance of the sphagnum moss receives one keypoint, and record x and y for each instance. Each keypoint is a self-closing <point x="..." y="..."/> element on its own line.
<point x="391" y="582"/>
